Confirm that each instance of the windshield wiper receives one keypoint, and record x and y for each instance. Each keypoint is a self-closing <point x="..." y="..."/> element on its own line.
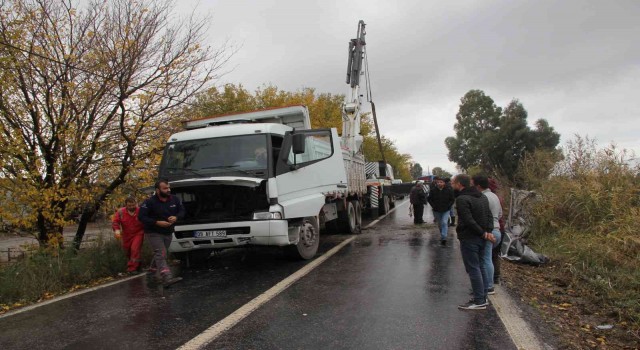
<point x="189" y="170"/>
<point x="230" y="167"/>
<point x="219" y="167"/>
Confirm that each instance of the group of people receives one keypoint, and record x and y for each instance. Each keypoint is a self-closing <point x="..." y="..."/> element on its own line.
<point x="480" y="227"/>
<point x="154" y="220"/>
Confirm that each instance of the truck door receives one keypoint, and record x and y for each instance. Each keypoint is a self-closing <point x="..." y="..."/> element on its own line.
<point x="315" y="169"/>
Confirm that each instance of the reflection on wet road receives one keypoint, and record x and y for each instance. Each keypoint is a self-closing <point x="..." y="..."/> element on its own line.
<point x="393" y="287"/>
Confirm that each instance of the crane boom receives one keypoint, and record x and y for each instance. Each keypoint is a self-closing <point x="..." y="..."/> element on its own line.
<point x="351" y="109"/>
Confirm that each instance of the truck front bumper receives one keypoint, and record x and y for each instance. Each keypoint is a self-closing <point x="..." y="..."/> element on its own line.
<point x="257" y="232"/>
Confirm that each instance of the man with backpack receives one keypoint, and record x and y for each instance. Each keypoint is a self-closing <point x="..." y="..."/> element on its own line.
<point x="127" y="228"/>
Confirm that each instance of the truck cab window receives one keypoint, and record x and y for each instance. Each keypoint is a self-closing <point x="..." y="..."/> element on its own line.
<point x="317" y="147"/>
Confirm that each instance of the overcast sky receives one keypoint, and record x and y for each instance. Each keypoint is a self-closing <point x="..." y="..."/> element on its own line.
<point x="574" y="63"/>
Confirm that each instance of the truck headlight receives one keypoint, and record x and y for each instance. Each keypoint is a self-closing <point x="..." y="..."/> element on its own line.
<point x="265" y="215"/>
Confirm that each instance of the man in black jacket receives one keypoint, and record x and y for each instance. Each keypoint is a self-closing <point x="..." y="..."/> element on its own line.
<point x="475" y="224"/>
<point x="441" y="199"/>
<point x="159" y="214"/>
<point x="418" y="198"/>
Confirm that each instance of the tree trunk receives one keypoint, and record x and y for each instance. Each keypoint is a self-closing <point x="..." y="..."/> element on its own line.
<point x="46" y="230"/>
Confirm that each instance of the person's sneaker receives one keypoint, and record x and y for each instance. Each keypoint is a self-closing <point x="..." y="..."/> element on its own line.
<point x="170" y="280"/>
<point x="471" y="305"/>
<point x="443" y="242"/>
<point x="491" y="291"/>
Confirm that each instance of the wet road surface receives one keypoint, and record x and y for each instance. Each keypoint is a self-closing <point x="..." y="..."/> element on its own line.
<point x="393" y="287"/>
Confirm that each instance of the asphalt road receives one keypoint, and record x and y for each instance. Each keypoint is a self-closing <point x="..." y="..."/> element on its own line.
<point x="393" y="287"/>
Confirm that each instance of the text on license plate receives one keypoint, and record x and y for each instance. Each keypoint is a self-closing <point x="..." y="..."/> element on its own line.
<point x="210" y="233"/>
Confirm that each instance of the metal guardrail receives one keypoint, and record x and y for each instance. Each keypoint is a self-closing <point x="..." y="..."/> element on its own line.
<point x="12" y="255"/>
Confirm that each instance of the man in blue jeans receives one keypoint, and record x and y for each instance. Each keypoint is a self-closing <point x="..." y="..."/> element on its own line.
<point x="475" y="224"/>
<point x="482" y="184"/>
<point x="441" y="199"/>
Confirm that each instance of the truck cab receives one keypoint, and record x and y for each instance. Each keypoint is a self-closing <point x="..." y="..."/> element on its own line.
<point x="252" y="178"/>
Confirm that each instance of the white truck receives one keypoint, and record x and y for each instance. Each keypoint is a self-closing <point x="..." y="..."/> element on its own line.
<point x="267" y="178"/>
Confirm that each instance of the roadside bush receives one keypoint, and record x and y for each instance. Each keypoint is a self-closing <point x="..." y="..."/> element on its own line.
<point x="587" y="217"/>
<point x="49" y="272"/>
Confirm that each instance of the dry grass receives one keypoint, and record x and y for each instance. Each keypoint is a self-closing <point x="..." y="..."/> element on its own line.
<point x="588" y="217"/>
<point x="50" y="272"/>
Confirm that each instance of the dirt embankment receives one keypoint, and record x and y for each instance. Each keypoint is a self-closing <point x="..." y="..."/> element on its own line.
<point x="564" y="310"/>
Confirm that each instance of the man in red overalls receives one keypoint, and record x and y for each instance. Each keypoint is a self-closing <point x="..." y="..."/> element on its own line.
<point x="127" y="227"/>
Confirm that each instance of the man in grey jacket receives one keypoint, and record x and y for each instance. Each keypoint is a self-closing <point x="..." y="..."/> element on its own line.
<point x="475" y="224"/>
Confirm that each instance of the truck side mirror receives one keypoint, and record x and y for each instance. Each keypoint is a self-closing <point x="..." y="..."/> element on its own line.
<point x="298" y="143"/>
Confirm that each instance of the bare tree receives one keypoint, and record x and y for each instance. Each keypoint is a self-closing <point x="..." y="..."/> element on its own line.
<point x="86" y="96"/>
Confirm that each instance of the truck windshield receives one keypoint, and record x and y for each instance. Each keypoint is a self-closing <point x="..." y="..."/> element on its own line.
<point x="244" y="155"/>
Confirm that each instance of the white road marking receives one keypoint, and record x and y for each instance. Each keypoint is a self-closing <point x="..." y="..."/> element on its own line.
<point x="511" y="316"/>
<point x="211" y="333"/>
<point x="67" y="296"/>
<point x="383" y="216"/>
<point x="214" y="331"/>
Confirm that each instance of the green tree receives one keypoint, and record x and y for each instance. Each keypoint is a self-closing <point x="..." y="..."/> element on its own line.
<point x="493" y="145"/>
<point x="476" y="121"/>
<point x="438" y="171"/>
<point x="416" y="170"/>
<point x="86" y="97"/>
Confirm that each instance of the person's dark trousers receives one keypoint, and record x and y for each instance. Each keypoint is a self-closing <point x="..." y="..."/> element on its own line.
<point x="160" y="244"/>
<point x="495" y="258"/>
<point x="418" y="211"/>
<point x="472" y="250"/>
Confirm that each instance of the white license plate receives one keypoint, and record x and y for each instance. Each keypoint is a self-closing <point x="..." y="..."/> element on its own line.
<point x="210" y="233"/>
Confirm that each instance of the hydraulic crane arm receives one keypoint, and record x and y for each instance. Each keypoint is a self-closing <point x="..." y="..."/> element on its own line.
<point x="351" y="109"/>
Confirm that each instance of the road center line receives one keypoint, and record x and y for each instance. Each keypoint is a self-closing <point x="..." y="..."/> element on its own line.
<point x="383" y="216"/>
<point x="211" y="333"/>
<point x="214" y="331"/>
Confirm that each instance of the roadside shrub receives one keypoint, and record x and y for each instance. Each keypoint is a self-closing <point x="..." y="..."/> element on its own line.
<point x="587" y="216"/>
<point x="49" y="272"/>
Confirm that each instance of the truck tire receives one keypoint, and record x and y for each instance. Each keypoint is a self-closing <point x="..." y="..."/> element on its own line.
<point x="384" y="205"/>
<point x="350" y="218"/>
<point x="308" y="240"/>
<point x="358" y="208"/>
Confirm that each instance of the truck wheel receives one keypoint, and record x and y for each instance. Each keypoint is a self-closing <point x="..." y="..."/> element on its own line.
<point x="358" y="209"/>
<point x="384" y="206"/>
<point x="308" y="240"/>
<point x="349" y="219"/>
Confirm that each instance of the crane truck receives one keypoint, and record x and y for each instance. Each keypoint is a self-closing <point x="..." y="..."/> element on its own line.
<point x="267" y="178"/>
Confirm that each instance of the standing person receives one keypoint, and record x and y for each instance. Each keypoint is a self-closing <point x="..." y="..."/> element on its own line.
<point x="128" y="228"/>
<point x="482" y="184"/>
<point x="159" y="214"/>
<point x="475" y="224"/>
<point x="452" y="216"/>
<point x="495" y="254"/>
<point x="441" y="199"/>
<point x="417" y="198"/>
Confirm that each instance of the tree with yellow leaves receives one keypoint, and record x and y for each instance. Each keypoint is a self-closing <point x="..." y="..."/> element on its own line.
<point x="324" y="110"/>
<point x="86" y="98"/>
